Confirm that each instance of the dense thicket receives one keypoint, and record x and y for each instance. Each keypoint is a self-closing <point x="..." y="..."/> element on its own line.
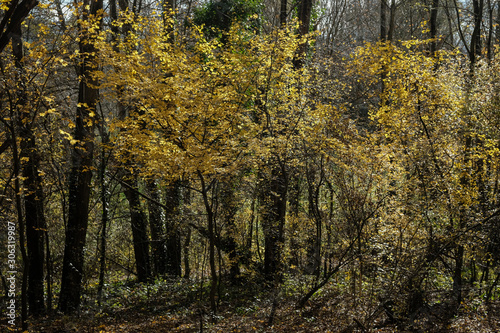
<point x="310" y="146"/>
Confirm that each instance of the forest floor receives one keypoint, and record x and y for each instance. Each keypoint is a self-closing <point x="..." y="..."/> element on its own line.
<point x="182" y="306"/>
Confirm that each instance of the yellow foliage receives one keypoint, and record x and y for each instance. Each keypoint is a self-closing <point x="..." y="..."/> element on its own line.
<point x="197" y="106"/>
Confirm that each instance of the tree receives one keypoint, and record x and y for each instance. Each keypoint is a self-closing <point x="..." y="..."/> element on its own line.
<point x="82" y="159"/>
<point x="13" y="16"/>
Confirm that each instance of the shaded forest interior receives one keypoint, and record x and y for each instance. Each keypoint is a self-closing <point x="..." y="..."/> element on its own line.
<point x="248" y="165"/>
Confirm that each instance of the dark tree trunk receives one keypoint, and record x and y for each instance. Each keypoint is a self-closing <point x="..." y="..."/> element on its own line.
<point x="497" y="23"/>
<point x="283" y="12"/>
<point x="433" y="26"/>
<point x="383" y="20"/>
<point x="273" y="209"/>
<point x="187" y="238"/>
<point x="228" y="212"/>
<point x="305" y="9"/>
<point x="314" y="238"/>
<point x="20" y="220"/>
<point x="489" y="40"/>
<point x="81" y="171"/>
<point x="105" y="212"/>
<point x="475" y="41"/>
<point x="294" y="200"/>
<point x="12" y="19"/>
<point x="33" y="197"/>
<point x="173" y="235"/>
<point x="392" y="20"/>
<point x="35" y="224"/>
<point x="187" y="242"/>
<point x="159" y="253"/>
<point x="138" y="223"/>
<point x="247" y="251"/>
<point x="457" y="274"/>
<point x="205" y="188"/>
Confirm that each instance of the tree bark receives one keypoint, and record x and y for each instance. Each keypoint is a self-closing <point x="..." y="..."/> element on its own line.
<point x="314" y="238"/>
<point x="20" y="220"/>
<point x="228" y="212"/>
<point x="34" y="196"/>
<point x="383" y="20"/>
<point x="156" y="225"/>
<point x="138" y="223"/>
<point x="104" y="212"/>
<point x="205" y="188"/>
<point x="274" y="185"/>
<point x="433" y="26"/>
<point x="13" y="18"/>
<point x="283" y="12"/>
<point x="294" y="227"/>
<point x="475" y="40"/>
<point x="173" y="237"/>
<point x="81" y="169"/>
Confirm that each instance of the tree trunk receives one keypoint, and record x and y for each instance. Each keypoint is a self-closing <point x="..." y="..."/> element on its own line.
<point x="274" y="187"/>
<point x="20" y="220"/>
<point x="81" y="169"/>
<point x="34" y="196"/>
<point x="187" y="237"/>
<point x="156" y="225"/>
<point x="105" y="212"/>
<point x="211" y="239"/>
<point x="187" y="242"/>
<point x="12" y="19"/>
<point x="497" y="24"/>
<point x="433" y="26"/>
<point x="228" y="212"/>
<point x="475" y="40"/>
<point x="294" y="227"/>
<point x="457" y="275"/>
<point x="138" y="223"/>
<point x="383" y="20"/>
<point x="314" y="238"/>
<point x="35" y="224"/>
<point x="305" y="9"/>
<point x="392" y="20"/>
<point x="283" y="12"/>
<point x="173" y="237"/>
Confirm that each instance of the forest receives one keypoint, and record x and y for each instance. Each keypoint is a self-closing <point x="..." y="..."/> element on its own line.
<point x="250" y="166"/>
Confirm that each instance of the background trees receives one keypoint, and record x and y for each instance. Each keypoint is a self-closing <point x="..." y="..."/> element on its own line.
<point x="360" y="162"/>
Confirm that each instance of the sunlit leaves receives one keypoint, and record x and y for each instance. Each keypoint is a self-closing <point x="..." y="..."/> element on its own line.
<point x="197" y="105"/>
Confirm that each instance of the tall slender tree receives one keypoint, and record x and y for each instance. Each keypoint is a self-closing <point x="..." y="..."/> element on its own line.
<point x="81" y="160"/>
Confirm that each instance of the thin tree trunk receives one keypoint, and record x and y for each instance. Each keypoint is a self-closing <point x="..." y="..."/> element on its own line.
<point x="20" y="222"/>
<point x="33" y="197"/>
<point x="475" y="40"/>
<point x="489" y="41"/>
<point x="294" y="199"/>
<point x="283" y="12"/>
<point x="187" y="242"/>
<point x="104" y="212"/>
<point x="173" y="237"/>
<point x="138" y="223"/>
<point x="187" y="238"/>
<point x="273" y="209"/>
<point x="383" y="20"/>
<point x="48" y="268"/>
<point x="159" y="254"/>
<point x="497" y="23"/>
<point x="211" y="239"/>
<point x="228" y="213"/>
<point x="392" y="20"/>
